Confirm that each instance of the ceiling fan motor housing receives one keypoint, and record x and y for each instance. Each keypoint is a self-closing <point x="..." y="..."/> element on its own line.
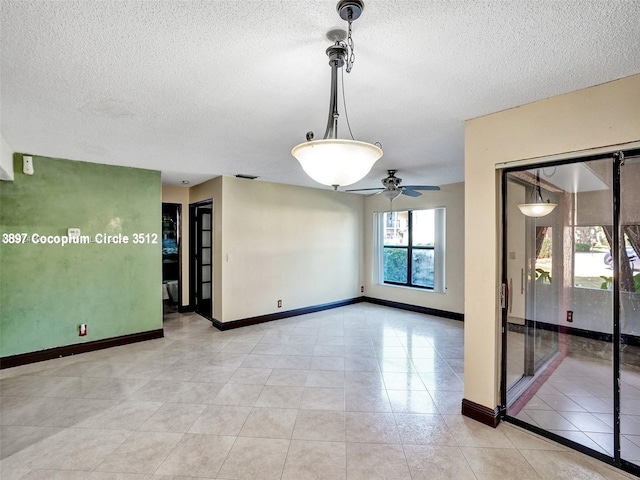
<point x="391" y="182"/>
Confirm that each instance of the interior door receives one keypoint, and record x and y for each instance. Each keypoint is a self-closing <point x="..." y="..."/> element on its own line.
<point x="202" y="258"/>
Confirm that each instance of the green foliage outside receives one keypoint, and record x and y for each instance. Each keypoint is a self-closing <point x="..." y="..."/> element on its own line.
<point x="582" y="247"/>
<point x="546" y="250"/>
<point x="395" y="265"/>
<point x="607" y="283"/>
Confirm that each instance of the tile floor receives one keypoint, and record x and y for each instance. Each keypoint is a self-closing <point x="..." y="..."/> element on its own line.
<point x="576" y="402"/>
<point x="360" y="392"/>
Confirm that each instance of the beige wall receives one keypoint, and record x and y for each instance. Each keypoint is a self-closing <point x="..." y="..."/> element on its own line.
<point x="6" y="160"/>
<point x="452" y="198"/>
<point x="281" y="242"/>
<point x="595" y="117"/>
<point x="275" y="242"/>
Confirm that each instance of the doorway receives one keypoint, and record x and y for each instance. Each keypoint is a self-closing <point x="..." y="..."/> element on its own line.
<point x="571" y="315"/>
<point x="201" y="281"/>
<point x="171" y="257"/>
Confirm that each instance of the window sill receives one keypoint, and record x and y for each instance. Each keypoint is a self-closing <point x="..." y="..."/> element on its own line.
<point x="416" y="289"/>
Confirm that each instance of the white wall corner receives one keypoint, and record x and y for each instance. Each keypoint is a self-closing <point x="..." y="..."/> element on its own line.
<point x="6" y="160"/>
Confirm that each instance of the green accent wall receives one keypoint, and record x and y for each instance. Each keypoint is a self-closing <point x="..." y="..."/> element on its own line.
<point x="47" y="290"/>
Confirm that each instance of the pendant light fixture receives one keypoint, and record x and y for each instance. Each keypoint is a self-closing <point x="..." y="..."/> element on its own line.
<point x="539" y="208"/>
<point x="333" y="161"/>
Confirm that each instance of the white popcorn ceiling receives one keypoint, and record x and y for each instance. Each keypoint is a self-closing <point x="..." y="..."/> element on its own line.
<point x="198" y="89"/>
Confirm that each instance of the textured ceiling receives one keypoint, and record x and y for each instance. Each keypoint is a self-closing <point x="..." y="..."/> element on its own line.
<point x="198" y="89"/>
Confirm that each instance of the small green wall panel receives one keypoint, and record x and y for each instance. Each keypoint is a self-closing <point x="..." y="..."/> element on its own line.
<point x="47" y="290"/>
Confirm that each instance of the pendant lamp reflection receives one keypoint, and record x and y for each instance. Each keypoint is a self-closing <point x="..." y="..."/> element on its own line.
<point x="538" y="208"/>
<point x="333" y="161"/>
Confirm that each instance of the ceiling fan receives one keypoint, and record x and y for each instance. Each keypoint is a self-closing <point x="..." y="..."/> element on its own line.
<point x="392" y="188"/>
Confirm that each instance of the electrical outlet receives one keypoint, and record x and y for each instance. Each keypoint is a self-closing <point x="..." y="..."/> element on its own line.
<point x="569" y="315"/>
<point x="361" y="288"/>
<point x="82" y="329"/>
<point x="279" y="303"/>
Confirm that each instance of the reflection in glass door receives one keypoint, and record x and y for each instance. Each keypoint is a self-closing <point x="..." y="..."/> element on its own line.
<point x="559" y="317"/>
<point x="629" y="287"/>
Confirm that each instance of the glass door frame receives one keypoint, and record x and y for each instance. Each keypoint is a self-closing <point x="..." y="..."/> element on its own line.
<point x="617" y="157"/>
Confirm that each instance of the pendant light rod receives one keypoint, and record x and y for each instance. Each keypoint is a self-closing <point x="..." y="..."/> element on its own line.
<point x="333" y="161"/>
<point x="336" y="54"/>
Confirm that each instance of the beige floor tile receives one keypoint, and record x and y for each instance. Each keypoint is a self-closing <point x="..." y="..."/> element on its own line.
<point x="280" y="396"/>
<point x="289" y="378"/>
<point x="269" y="423"/>
<point x="142" y="452"/>
<point x="313" y="460"/>
<point x="14" y="439"/>
<point x="366" y="399"/>
<point x="118" y="476"/>
<point x="197" y="456"/>
<point x="523" y="440"/>
<point x="423" y="429"/>
<point x="255" y="360"/>
<point x="469" y="433"/>
<point x="213" y="374"/>
<point x="322" y="425"/>
<point x="327" y="363"/>
<point x="60" y="451"/>
<point x="221" y="420"/>
<point x="560" y="465"/>
<point x="238" y="394"/>
<point x="256" y="459"/>
<point x="411" y="401"/>
<point x="322" y="399"/>
<point x="496" y="463"/>
<point x="103" y="404"/>
<point x="437" y="463"/>
<point x="325" y="378"/>
<point x="127" y="415"/>
<point x="373" y="462"/>
<point x="156" y="390"/>
<point x="368" y="427"/>
<point x="196" y="392"/>
<point x="173" y="417"/>
<point x="55" y="475"/>
<point x="250" y="376"/>
<point x="293" y="362"/>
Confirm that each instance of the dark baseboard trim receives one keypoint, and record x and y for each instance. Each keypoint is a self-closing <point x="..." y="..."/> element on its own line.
<point x="185" y="308"/>
<point x="245" y="322"/>
<point x="626" y="338"/>
<point x="415" y="308"/>
<point x="66" y="350"/>
<point x="480" y="413"/>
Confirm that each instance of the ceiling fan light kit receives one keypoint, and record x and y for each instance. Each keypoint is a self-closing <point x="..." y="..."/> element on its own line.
<point x="333" y="161"/>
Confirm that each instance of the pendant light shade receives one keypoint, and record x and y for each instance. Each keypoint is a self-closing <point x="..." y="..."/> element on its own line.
<point x="336" y="161"/>
<point x="537" y="209"/>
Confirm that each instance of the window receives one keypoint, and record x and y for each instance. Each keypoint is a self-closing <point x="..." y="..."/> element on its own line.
<point x="411" y="248"/>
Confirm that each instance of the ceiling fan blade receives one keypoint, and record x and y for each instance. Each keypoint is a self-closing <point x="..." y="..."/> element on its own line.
<point x="364" y="189"/>
<point x="422" y="187"/>
<point x="410" y="193"/>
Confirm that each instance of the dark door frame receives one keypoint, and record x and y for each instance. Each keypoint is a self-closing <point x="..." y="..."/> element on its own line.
<point x="617" y="160"/>
<point x="193" y="256"/>
<point x="179" y="242"/>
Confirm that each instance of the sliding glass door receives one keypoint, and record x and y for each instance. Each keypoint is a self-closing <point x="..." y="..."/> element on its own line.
<point x="571" y="311"/>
